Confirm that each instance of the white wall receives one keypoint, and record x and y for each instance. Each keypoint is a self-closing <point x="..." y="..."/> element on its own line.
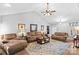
<point x="11" y="21"/>
<point x="63" y="27"/>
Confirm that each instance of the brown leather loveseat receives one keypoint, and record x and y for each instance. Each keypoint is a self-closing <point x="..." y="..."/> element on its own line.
<point x="32" y="36"/>
<point x="62" y="36"/>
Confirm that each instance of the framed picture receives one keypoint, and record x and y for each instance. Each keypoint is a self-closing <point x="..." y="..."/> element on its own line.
<point x="21" y="26"/>
<point x="33" y="27"/>
<point x="42" y="27"/>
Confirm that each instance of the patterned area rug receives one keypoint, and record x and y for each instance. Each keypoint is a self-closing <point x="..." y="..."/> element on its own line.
<point x="52" y="48"/>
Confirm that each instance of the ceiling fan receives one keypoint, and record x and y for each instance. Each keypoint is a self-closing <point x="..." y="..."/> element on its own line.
<point x="48" y="11"/>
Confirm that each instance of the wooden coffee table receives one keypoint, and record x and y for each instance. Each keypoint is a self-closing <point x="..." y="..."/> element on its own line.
<point x="42" y="41"/>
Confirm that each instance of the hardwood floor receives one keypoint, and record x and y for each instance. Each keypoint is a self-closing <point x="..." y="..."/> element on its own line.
<point x="71" y="51"/>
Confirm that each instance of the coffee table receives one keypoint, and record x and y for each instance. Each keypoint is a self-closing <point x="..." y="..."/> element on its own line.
<point x="42" y="40"/>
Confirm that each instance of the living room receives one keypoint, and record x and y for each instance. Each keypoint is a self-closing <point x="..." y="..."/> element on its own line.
<point x="36" y="30"/>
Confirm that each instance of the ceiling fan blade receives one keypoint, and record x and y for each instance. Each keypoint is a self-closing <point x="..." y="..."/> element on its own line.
<point x="42" y="12"/>
<point x="53" y="11"/>
<point x="50" y="13"/>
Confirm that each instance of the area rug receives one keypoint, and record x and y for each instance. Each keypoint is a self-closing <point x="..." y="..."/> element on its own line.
<point x="52" y="48"/>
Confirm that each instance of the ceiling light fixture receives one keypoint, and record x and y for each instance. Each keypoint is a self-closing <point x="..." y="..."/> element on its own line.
<point x="7" y="5"/>
<point x="48" y="11"/>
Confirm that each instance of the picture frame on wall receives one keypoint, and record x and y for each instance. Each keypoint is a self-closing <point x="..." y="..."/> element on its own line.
<point x="33" y="27"/>
<point x="21" y="26"/>
<point x="42" y="27"/>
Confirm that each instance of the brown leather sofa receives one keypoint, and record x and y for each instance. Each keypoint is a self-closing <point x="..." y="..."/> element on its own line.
<point x="32" y="36"/>
<point x="12" y="44"/>
<point x="61" y="36"/>
<point x="10" y="36"/>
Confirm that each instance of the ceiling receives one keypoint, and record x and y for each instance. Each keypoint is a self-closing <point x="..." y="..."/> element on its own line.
<point x="16" y="8"/>
<point x="64" y="11"/>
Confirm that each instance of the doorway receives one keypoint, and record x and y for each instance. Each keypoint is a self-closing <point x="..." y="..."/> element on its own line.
<point x="48" y="30"/>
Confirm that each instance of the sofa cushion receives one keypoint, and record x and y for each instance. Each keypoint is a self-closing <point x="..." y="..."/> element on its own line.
<point x="38" y="33"/>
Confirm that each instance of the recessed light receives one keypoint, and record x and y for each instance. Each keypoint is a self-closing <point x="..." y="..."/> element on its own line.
<point x="7" y="5"/>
